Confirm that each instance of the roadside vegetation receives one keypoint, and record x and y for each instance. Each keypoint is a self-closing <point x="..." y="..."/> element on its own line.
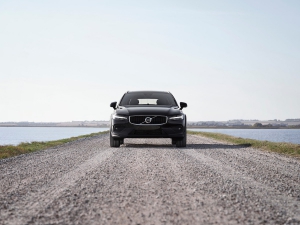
<point x="279" y="147"/>
<point x="26" y="147"/>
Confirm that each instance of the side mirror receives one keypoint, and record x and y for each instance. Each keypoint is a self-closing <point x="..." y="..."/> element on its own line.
<point x="182" y="105"/>
<point x="113" y="104"/>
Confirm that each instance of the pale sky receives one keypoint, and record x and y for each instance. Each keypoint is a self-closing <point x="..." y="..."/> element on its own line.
<point x="67" y="60"/>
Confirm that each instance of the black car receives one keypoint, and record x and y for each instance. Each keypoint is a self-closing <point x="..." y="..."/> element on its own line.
<point x="148" y="114"/>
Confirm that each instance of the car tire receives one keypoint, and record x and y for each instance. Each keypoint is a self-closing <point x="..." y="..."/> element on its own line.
<point x="181" y="142"/>
<point x="115" y="143"/>
<point x="174" y="140"/>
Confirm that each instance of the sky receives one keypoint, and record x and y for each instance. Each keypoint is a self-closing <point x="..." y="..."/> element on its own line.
<point x="68" y="60"/>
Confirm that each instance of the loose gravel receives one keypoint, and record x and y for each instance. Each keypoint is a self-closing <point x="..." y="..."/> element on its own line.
<point x="149" y="181"/>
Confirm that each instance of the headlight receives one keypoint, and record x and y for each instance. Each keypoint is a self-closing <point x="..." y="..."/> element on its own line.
<point x="180" y="117"/>
<point x="115" y="117"/>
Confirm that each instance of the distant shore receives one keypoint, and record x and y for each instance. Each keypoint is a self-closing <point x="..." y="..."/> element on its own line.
<point x="242" y="127"/>
<point x="55" y="126"/>
<point x="188" y="127"/>
<point x="230" y="124"/>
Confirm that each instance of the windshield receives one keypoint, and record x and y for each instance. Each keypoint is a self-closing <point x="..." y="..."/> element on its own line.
<point x="148" y="98"/>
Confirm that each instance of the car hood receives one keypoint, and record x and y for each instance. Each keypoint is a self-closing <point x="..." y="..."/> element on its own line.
<point x="164" y="111"/>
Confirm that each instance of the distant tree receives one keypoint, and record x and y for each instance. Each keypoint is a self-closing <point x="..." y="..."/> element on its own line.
<point x="257" y="125"/>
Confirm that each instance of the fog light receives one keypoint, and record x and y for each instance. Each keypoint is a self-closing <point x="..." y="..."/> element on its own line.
<point x="118" y="128"/>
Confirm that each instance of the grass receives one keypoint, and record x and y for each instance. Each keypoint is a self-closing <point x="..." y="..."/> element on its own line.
<point x="279" y="147"/>
<point x="26" y="147"/>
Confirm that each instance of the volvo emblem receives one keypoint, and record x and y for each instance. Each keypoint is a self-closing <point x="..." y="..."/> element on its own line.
<point x="148" y="119"/>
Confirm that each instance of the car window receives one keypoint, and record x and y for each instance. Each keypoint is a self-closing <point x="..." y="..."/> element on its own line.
<point x="148" y="98"/>
<point x="147" y="101"/>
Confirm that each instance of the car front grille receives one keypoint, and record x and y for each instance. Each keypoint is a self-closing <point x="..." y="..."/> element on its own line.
<point x="148" y="120"/>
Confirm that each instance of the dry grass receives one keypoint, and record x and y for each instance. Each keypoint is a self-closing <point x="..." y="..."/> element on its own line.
<point x="279" y="147"/>
<point x="11" y="150"/>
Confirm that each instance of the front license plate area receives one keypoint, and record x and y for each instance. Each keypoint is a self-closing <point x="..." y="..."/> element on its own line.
<point x="146" y="127"/>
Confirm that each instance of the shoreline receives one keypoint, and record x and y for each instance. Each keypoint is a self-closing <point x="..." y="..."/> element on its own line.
<point x="285" y="148"/>
<point x="59" y="126"/>
<point x="188" y="127"/>
<point x="289" y="149"/>
<point x="246" y="128"/>
<point x="7" y="151"/>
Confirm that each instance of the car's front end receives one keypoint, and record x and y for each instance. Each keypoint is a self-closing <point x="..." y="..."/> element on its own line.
<point x="148" y="126"/>
<point x="146" y="120"/>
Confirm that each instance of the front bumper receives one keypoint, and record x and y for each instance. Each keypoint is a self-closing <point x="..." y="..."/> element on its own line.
<point x="172" y="129"/>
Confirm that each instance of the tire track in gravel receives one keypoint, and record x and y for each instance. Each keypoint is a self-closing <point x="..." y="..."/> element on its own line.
<point x="149" y="181"/>
<point x="255" y="189"/>
<point x="260" y="166"/>
<point x="41" y="198"/>
<point x="139" y="184"/>
<point x="43" y="166"/>
<point x="25" y="175"/>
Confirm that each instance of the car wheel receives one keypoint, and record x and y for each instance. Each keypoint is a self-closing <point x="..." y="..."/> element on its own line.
<point x="174" y="141"/>
<point x="181" y="142"/>
<point x="114" y="142"/>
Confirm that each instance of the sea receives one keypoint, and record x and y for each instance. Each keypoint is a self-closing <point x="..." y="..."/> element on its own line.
<point x="274" y="135"/>
<point x="16" y="135"/>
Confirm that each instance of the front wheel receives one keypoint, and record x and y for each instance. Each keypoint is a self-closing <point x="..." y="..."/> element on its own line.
<point x="181" y="142"/>
<point x="115" y="143"/>
<point x="174" y="140"/>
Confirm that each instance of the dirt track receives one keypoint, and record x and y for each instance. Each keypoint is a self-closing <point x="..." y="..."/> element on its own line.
<point x="148" y="181"/>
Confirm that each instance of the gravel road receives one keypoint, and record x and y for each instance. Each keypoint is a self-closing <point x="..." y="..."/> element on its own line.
<point x="148" y="181"/>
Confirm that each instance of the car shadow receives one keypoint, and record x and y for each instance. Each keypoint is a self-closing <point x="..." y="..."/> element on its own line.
<point x="216" y="146"/>
<point x="189" y="146"/>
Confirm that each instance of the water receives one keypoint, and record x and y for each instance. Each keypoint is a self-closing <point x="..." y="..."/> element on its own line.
<point x="274" y="135"/>
<point x="16" y="135"/>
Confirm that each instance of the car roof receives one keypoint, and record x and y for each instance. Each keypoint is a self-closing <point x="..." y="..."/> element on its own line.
<point x="148" y="91"/>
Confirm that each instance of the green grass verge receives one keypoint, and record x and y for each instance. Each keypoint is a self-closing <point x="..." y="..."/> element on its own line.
<point x="11" y="150"/>
<point x="279" y="147"/>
